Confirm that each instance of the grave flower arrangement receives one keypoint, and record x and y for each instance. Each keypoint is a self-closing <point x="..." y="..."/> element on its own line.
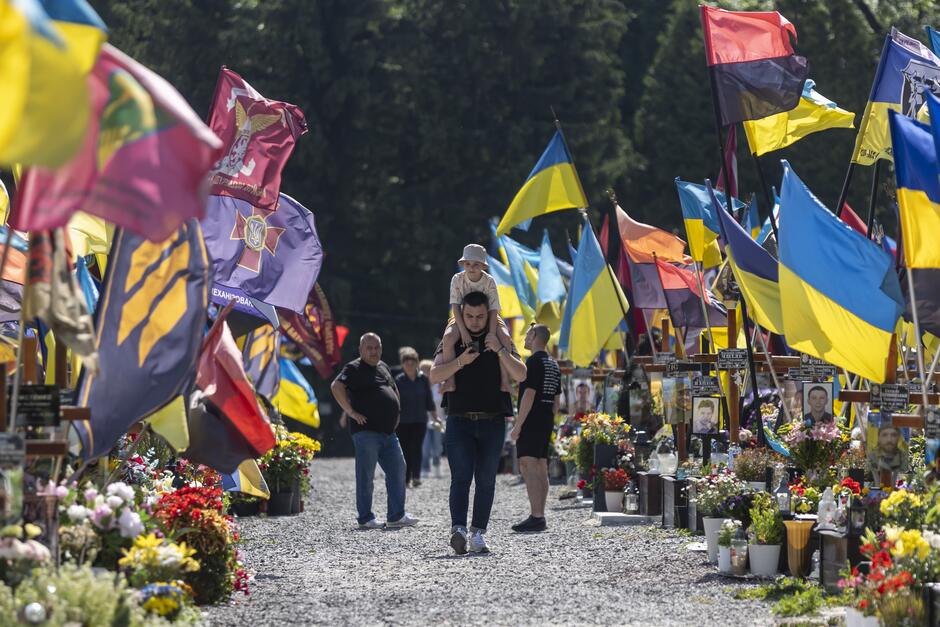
<point x="816" y="448"/>
<point x="112" y="515"/>
<point x="716" y="494"/>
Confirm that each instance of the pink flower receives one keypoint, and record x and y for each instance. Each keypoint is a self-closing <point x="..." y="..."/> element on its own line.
<point x="90" y="494"/>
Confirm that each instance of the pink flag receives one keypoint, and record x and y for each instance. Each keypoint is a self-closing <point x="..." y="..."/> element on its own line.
<point x="259" y="136"/>
<point x="143" y="163"/>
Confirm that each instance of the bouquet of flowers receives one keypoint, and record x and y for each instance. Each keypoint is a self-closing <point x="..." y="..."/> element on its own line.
<point x="751" y="464"/>
<point x="714" y="493"/>
<point x="194" y="515"/>
<point x="804" y="499"/>
<point x="152" y="559"/>
<point x="597" y="428"/>
<point x="816" y="447"/>
<point x="902" y="560"/>
<point x="615" y="479"/>
<point x="164" y="599"/>
<point x="20" y="553"/>
<point x="904" y="508"/>
<point x="288" y="461"/>
<point x="112" y="514"/>
<point x="565" y="447"/>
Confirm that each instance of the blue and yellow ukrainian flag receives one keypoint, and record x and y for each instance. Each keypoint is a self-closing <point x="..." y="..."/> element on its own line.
<point x="701" y="225"/>
<point x="900" y="56"/>
<point x="295" y="398"/>
<point x="752" y="219"/>
<point x="247" y="479"/>
<point x="592" y="311"/>
<point x="522" y="275"/>
<point x="508" y="301"/>
<point x="916" y="170"/>
<point x="551" y="289"/>
<point x="552" y="185"/>
<point x="755" y="270"/>
<point x="48" y="48"/>
<point x="840" y="295"/>
<point x="814" y="113"/>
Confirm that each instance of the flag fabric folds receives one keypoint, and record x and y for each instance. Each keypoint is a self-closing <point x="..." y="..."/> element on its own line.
<point x="259" y="136"/>
<point x="521" y="275"/>
<point x="595" y="303"/>
<point x="755" y="270"/>
<point x="13" y="277"/>
<point x="262" y="347"/>
<point x="683" y="298"/>
<point x="149" y="324"/>
<point x="170" y="423"/>
<point x="701" y="223"/>
<point x="550" y="290"/>
<point x="53" y="296"/>
<point x="906" y="73"/>
<point x="43" y="67"/>
<point x="221" y="376"/>
<point x="295" y="397"/>
<point x="508" y="300"/>
<point x="271" y="256"/>
<point x="142" y="165"/>
<point x="755" y="72"/>
<point x="916" y="169"/>
<point x="315" y="331"/>
<point x="247" y="479"/>
<point x="641" y="241"/>
<point x="812" y="114"/>
<point x="843" y="299"/>
<point x="934" y="38"/>
<point x="552" y="185"/>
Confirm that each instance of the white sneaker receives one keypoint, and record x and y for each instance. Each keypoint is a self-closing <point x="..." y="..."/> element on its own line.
<point x="478" y="543"/>
<point x="372" y="524"/>
<point x="458" y="540"/>
<point x="405" y="521"/>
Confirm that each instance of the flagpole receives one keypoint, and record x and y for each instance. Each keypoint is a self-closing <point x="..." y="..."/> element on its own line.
<point x="767" y="197"/>
<point x="845" y="189"/>
<point x="873" y="199"/>
<point x="724" y="168"/>
<point x="920" y="353"/>
<point x="773" y="375"/>
<point x="711" y="338"/>
<point x="933" y="366"/>
<point x="613" y="231"/>
<point x="649" y="332"/>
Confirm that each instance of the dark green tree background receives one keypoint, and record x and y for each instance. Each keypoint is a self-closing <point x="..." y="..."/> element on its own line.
<point x="426" y="116"/>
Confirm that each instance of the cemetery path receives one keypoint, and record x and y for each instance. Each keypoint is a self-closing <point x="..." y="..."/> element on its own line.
<point x="318" y="568"/>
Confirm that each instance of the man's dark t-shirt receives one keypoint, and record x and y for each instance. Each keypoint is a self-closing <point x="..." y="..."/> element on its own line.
<point x="478" y="384"/>
<point x="373" y="394"/>
<point x="543" y="376"/>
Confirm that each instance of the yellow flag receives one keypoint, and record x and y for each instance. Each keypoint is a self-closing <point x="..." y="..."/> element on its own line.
<point x="814" y="113"/>
<point x="170" y="424"/>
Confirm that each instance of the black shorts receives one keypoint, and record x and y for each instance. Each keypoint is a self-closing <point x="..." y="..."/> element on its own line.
<point x="535" y="437"/>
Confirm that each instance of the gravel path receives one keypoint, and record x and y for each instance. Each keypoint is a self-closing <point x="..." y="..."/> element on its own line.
<point x="317" y="568"/>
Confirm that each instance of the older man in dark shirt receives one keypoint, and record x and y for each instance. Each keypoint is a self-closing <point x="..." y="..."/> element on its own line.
<point x="367" y="393"/>
<point x="476" y="420"/>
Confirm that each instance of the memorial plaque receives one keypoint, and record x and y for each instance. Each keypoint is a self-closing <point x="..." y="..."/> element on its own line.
<point x="38" y="406"/>
<point x="732" y="359"/>
<point x="932" y="423"/>
<point x="703" y="385"/>
<point x="664" y="359"/>
<point x="889" y="397"/>
<point x="797" y="374"/>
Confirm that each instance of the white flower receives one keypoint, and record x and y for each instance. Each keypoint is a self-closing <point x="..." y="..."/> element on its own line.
<point x="77" y="513"/>
<point x="130" y="524"/>
<point x="122" y="490"/>
<point x="932" y="538"/>
<point x="91" y="494"/>
<point x="114" y="502"/>
<point x="36" y="551"/>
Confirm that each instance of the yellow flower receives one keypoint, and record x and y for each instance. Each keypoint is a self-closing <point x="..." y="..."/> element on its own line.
<point x="161" y="605"/>
<point x="32" y="530"/>
<point x="150" y="541"/>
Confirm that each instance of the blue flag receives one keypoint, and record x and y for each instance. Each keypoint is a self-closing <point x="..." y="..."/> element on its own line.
<point x="934" y="38"/>
<point x="149" y="327"/>
<point x="270" y="256"/>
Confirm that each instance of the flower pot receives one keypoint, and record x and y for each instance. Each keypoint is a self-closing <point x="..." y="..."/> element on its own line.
<point x="712" y="527"/>
<point x="724" y="559"/>
<point x="614" y="501"/>
<point x="296" y="502"/>
<point x="764" y="558"/>
<point x="244" y="509"/>
<point x="854" y="618"/>
<point x="758" y="486"/>
<point x="798" y="546"/>
<point x="280" y="504"/>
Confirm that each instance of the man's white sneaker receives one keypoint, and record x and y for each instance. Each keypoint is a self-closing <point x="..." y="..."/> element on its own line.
<point x="405" y="521"/>
<point x="372" y="524"/>
<point x="458" y="540"/>
<point x="478" y="543"/>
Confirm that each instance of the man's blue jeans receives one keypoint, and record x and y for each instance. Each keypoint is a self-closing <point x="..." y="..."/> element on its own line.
<point x="473" y="451"/>
<point x="372" y="447"/>
<point x="432" y="449"/>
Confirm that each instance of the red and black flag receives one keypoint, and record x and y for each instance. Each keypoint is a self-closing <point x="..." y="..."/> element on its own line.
<point x="754" y="71"/>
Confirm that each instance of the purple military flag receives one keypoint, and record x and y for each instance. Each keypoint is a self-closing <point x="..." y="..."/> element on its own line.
<point x="269" y="256"/>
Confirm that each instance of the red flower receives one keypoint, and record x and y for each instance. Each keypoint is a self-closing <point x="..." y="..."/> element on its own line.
<point x="881" y="559"/>
<point x="852" y="485"/>
<point x="581" y="484"/>
<point x="863" y="604"/>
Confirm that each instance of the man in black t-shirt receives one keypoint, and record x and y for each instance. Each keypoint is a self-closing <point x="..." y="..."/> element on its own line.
<point x="366" y="391"/>
<point x="538" y="404"/>
<point x="476" y="420"/>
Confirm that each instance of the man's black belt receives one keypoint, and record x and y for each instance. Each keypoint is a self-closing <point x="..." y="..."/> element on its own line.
<point x="480" y="415"/>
